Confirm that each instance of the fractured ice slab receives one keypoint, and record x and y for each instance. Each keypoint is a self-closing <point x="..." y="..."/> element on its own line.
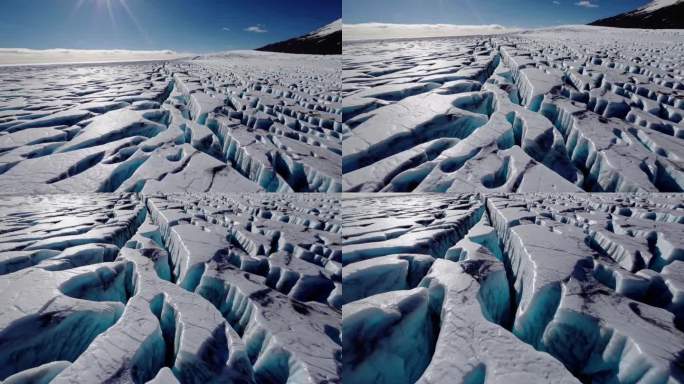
<point x="528" y="288"/>
<point x="186" y="288"/>
<point x="550" y="110"/>
<point x="375" y="334"/>
<point x="260" y="121"/>
<point x="430" y="231"/>
<point x="470" y="297"/>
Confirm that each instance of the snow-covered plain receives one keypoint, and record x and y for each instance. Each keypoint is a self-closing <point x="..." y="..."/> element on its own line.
<point x="371" y="31"/>
<point x="237" y="122"/>
<point x="513" y="288"/>
<point x="563" y="109"/>
<point x="186" y="288"/>
<point x="25" y="56"/>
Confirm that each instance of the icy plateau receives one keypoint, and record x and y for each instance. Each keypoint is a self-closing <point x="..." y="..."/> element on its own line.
<point x="562" y="109"/>
<point x="187" y="288"/>
<point x="513" y="288"/>
<point x="236" y="122"/>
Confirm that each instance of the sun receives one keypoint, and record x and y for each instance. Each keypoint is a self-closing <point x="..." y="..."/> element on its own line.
<point x="109" y="5"/>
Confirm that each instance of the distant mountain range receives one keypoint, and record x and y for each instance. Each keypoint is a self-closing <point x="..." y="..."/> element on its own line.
<point x="326" y="40"/>
<point x="658" y="14"/>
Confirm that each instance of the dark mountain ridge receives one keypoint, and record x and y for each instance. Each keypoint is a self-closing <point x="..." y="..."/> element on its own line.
<point x="658" y="14"/>
<point x="326" y="40"/>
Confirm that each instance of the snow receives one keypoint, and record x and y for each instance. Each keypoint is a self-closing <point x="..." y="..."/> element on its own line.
<point x="25" y="56"/>
<point x="521" y="292"/>
<point x="373" y="31"/>
<point x="375" y="331"/>
<point x="326" y="29"/>
<point x="489" y="352"/>
<point x="383" y="274"/>
<point x="242" y="121"/>
<point x="185" y="270"/>
<point x="655" y="5"/>
<point x="539" y="110"/>
<point x="170" y="288"/>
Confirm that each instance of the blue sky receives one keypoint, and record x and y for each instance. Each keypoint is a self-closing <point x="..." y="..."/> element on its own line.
<point x="180" y="25"/>
<point x="509" y="13"/>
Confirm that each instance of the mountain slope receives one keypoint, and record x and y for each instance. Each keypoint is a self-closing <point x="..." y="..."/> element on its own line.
<point x="658" y="14"/>
<point x="326" y="40"/>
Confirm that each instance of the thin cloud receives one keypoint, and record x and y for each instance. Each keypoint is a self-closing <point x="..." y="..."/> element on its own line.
<point x="225" y="29"/>
<point x="586" y="4"/>
<point x="556" y="2"/>
<point x="256" y="29"/>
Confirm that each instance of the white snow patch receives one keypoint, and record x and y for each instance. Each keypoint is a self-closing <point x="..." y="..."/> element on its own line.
<point x="326" y="29"/>
<point x="656" y="4"/>
<point x="373" y="31"/>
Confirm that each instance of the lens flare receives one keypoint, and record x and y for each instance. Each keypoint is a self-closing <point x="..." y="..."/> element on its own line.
<point x="110" y="6"/>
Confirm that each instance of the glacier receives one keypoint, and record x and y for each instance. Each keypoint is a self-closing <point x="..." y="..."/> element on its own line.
<point x="242" y="121"/>
<point x="164" y="288"/>
<point x="544" y="110"/>
<point x="512" y="288"/>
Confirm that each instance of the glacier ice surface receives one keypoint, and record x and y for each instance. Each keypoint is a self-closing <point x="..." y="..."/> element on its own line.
<point x="163" y="288"/>
<point x="244" y="121"/>
<point x="512" y="288"/>
<point x="547" y="110"/>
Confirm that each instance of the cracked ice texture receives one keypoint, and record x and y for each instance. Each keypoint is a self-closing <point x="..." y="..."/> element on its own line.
<point x="513" y="288"/>
<point x="554" y="110"/>
<point x="238" y="122"/>
<point x="187" y="288"/>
